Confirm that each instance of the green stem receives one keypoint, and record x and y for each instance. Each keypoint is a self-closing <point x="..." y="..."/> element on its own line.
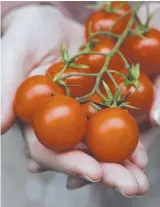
<point x="108" y="57"/>
<point x="101" y="94"/>
<point x="67" y="89"/>
<point x="86" y="96"/>
<point x="58" y="75"/>
<point x="95" y="107"/>
<point x="105" y="33"/>
<point x="77" y="74"/>
<point x="123" y="58"/>
<point x="119" y="73"/>
<point x="139" y="33"/>
<point x="84" y="53"/>
<point x="138" y="19"/>
<point x="109" y="5"/>
<point x="111" y="77"/>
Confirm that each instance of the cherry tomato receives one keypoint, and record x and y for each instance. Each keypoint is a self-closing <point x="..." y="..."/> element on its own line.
<point x="142" y="98"/>
<point x="119" y="7"/>
<point x="32" y="93"/>
<point x="102" y="20"/>
<point x="96" y="62"/>
<point x="80" y="85"/>
<point x="60" y="124"/>
<point x="88" y="109"/>
<point x="144" y="51"/>
<point x="112" y="135"/>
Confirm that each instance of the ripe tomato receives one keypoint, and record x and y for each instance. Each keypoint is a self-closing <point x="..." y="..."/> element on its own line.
<point x="88" y="109"/>
<point x="60" y="124"/>
<point x="96" y="62"/>
<point x="112" y="135"/>
<point x="142" y="99"/>
<point x="32" y="93"/>
<point x="119" y="7"/>
<point x="81" y="84"/>
<point x="102" y="20"/>
<point x="144" y="51"/>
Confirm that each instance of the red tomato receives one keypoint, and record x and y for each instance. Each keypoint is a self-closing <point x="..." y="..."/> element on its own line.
<point x="88" y="109"/>
<point x="80" y="85"/>
<point x="120" y="7"/>
<point x="142" y="99"/>
<point x="96" y="62"/>
<point x="112" y="135"/>
<point x="32" y="93"/>
<point x="60" y="124"/>
<point x="102" y="20"/>
<point x="144" y="51"/>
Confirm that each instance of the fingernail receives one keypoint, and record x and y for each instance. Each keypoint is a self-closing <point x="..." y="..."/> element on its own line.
<point x="121" y="192"/>
<point x="88" y="179"/>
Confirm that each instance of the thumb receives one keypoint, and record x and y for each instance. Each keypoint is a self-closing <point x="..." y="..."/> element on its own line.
<point x="28" y="40"/>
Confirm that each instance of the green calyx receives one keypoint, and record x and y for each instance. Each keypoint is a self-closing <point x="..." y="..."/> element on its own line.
<point x="133" y="76"/>
<point x="109" y="7"/>
<point x="141" y="28"/>
<point x="116" y="100"/>
<point x="68" y="61"/>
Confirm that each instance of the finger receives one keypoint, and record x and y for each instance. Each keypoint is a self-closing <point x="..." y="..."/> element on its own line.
<point x="155" y="111"/>
<point x="71" y="163"/>
<point x="142" y="13"/>
<point x="139" y="157"/>
<point x="74" y="182"/>
<point x="8" y="6"/>
<point x="140" y="176"/>
<point x="30" y="47"/>
<point x="120" y="178"/>
<point x="33" y="167"/>
<point x="148" y="138"/>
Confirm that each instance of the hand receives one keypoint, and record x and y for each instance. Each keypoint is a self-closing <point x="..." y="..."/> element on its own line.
<point x="33" y="42"/>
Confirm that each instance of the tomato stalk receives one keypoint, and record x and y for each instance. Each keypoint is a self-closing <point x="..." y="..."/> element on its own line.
<point x="123" y="58"/>
<point x="63" y="77"/>
<point x="103" y="33"/>
<point x="119" y="73"/>
<point x="109" y="56"/>
<point x="70" y="60"/>
<point x="101" y="94"/>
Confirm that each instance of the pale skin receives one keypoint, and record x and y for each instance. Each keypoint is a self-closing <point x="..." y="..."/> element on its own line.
<point x="30" y="44"/>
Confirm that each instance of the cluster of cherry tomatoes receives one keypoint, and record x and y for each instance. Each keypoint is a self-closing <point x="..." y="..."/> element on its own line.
<point x="60" y="122"/>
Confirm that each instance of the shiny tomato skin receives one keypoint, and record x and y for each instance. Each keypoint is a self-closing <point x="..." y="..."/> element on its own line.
<point x="80" y="85"/>
<point x="144" y="51"/>
<point x="102" y="20"/>
<point x="96" y="62"/>
<point x="88" y="109"/>
<point x="142" y="99"/>
<point x="112" y="135"/>
<point x="60" y="124"/>
<point x="32" y="93"/>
